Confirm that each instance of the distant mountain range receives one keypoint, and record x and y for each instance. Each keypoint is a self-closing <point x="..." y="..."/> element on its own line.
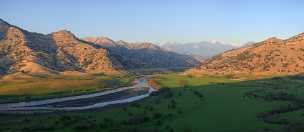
<point x="143" y="55"/>
<point x="201" y="50"/>
<point x="22" y="51"/>
<point x="271" y="56"/>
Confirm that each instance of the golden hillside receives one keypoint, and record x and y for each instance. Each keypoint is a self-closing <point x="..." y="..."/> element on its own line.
<point x="272" y="56"/>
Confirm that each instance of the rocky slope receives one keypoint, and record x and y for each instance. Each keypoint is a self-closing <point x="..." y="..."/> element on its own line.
<point x="22" y="51"/>
<point x="272" y="56"/>
<point x="28" y="52"/>
<point x="143" y="55"/>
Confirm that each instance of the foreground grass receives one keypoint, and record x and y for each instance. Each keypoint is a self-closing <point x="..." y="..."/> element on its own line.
<point x="186" y="104"/>
<point x="31" y="88"/>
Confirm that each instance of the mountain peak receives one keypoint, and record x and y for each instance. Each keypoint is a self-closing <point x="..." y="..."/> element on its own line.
<point x="63" y="37"/>
<point x="144" y="45"/>
<point x="103" y="37"/>
<point x="103" y="41"/>
<point x="272" y="39"/>
<point x="298" y="38"/>
<point x="121" y="42"/>
<point x="63" y="33"/>
<point x="2" y="22"/>
<point x="3" y="27"/>
<point x="301" y="34"/>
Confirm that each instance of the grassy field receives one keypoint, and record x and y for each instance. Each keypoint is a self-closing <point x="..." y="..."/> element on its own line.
<point x="29" y="88"/>
<point x="187" y="104"/>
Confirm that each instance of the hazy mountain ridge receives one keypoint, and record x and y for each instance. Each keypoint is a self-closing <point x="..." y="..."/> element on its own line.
<point x="143" y="55"/>
<point x="203" y="49"/>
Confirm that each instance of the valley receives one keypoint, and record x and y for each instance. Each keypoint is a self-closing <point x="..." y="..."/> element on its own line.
<point x="187" y="103"/>
<point x="111" y="96"/>
<point x="27" y="87"/>
<point x="151" y="66"/>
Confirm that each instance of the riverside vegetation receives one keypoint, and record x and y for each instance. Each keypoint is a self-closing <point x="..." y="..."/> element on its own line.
<point x="42" y="87"/>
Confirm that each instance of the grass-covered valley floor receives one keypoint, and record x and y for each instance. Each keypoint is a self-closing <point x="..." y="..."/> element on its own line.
<point x="187" y="104"/>
<point x="41" y="87"/>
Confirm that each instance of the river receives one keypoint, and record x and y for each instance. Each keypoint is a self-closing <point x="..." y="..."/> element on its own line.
<point x="32" y="106"/>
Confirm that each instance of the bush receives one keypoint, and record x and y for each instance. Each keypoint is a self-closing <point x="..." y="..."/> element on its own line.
<point x="157" y="115"/>
<point x="198" y="94"/>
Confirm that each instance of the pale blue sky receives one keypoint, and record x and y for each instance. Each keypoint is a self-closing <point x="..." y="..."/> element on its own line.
<point x="160" y="21"/>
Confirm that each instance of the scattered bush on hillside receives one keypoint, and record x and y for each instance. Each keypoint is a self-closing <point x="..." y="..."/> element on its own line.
<point x="157" y="115"/>
<point x="243" y="56"/>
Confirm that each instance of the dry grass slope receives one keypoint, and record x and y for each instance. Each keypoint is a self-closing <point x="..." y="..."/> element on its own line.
<point x="272" y="56"/>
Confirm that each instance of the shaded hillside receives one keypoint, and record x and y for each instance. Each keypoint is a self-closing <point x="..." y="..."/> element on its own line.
<point x="272" y="56"/>
<point x="28" y="52"/>
<point x="143" y="55"/>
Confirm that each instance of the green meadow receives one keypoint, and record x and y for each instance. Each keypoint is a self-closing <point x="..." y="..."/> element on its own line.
<point x="187" y="104"/>
<point x="42" y="87"/>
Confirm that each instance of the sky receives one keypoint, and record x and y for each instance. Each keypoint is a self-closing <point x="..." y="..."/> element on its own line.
<point x="160" y="21"/>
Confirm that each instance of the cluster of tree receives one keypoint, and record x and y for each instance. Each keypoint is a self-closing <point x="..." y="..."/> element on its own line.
<point x="154" y="84"/>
